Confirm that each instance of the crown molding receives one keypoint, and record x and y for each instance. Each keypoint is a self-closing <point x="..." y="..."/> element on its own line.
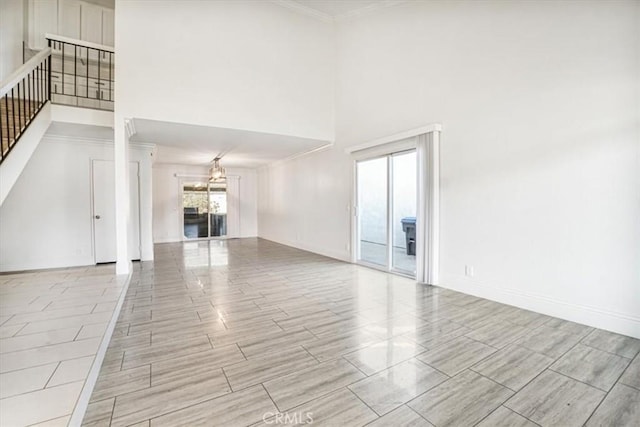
<point x="326" y="17"/>
<point x="130" y="127"/>
<point x="368" y="9"/>
<point x="305" y="10"/>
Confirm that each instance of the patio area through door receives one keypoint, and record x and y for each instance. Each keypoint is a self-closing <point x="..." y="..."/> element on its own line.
<point x="386" y="209"/>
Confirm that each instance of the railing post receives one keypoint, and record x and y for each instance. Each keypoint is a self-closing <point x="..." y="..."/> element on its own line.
<point x="49" y="74"/>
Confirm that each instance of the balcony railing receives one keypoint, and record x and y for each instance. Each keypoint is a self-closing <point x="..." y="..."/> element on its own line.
<point x="82" y="73"/>
<point x="22" y="96"/>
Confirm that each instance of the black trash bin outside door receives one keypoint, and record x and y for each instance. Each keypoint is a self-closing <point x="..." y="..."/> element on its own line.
<point x="409" y="228"/>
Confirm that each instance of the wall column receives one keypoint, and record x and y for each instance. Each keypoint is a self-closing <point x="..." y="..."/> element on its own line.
<point x="123" y="211"/>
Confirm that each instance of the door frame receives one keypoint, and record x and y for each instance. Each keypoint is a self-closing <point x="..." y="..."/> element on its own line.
<point x="427" y="145"/>
<point x="205" y="180"/>
<point x="389" y="237"/>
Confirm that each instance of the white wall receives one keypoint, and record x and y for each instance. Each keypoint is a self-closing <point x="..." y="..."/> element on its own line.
<point x="46" y="221"/>
<point x="167" y="200"/>
<point x="242" y="64"/>
<point x="11" y="34"/>
<point x="540" y="154"/>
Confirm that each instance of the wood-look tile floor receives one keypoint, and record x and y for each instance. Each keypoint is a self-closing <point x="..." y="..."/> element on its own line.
<point x="51" y="325"/>
<point x="249" y="332"/>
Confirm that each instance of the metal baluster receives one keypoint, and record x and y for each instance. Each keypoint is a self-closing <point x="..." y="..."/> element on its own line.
<point x="19" y="111"/>
<point x="110" y="78"/>
<point x="49" y="75"/>
<point x="1" y="142"/>
<point x="29" y="85"/>
<point x="99" y="97"/>
<point x="13" y="113"/>
<point x="6" y="110"/>
<point x="87" y="72"/>
<point x="75" y="70"/>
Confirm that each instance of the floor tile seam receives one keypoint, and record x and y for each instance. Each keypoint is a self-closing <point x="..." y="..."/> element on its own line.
<point x="113" y="408"/>
<point x="523" y="416"/>
<point x="50" y="419"/>
<point x="468" y="367"/>
<point x="626" y="385"/>
<point x="162" y="359"/>
<point x="609" y="352"/>
<point x="542" y="372"/>
<point x="600" y="403"/>
<point x="359" y="370"/>
<point x="482" y="342"/>
<point x="581" y="381"/>
<point x="72" y="340"/>
<point x="269" y="395"/>
<point x="9" y="318"/>
<point x="321" y="396"/>
<point x="310" y="354"/>
<point x="624" y="371"/>
<point x="448" y="377"/>
<point x="494" y="381"/>
<point x="45" y="364"/>
<point x="494" y="410"/>
<point x="365" y="403"/>
<point x="43" y="388"/>
<point x="226" y="378"/>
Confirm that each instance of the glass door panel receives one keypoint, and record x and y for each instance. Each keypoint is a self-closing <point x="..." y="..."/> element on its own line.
<point x="195" y="203"/>
<point x="403" y="210"/>
<point x="218" y="208"/>
<point x="372" y="211"/>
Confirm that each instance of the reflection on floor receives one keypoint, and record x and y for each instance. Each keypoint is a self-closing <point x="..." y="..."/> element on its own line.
<point x="232" y="333"/>
<point x="51" y="324"/>
<point x="376" y="253"/>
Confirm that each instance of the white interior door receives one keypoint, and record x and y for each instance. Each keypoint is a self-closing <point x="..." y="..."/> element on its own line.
<point x="104" y="211"/>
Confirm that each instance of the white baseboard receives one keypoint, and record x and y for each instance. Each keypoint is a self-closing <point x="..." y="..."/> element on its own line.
<point x="621" y="323"/>
<point x="310" y="248"/>
<point x="167" y="240"/>
<point x="47" y="264"/>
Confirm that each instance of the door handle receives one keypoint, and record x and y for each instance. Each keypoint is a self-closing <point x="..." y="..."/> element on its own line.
<point x="97" y="216"/>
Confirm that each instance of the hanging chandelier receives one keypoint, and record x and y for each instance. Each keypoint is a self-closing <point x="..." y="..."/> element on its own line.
<point x="217" y="172"/>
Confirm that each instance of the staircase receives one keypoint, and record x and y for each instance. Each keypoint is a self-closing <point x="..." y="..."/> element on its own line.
<point x="15" y="110"/>
<point x="69" y="72"/>
<point x="22" y="96"/>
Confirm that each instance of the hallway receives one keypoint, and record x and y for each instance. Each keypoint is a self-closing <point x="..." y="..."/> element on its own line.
<point x="232" y="333"/>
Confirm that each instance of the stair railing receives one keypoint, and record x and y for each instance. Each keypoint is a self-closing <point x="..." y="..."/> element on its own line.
<point x="82" y="73"/>
<point x="22" y="96"/>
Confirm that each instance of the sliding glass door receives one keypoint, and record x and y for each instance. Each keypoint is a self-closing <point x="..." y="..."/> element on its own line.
<point x="372" y="211"/>
<point x="204" y="209"/>
<point x="386" y="212"/>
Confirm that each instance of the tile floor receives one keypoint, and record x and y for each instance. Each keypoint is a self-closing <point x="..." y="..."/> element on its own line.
<point x="51" y="325"/>
<point x="249" y="332"/>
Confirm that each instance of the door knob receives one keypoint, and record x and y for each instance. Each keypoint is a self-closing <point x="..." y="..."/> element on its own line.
<point x="97" y="216"/>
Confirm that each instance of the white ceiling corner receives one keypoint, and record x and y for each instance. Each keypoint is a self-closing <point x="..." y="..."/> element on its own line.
<point x="334" y="10"/>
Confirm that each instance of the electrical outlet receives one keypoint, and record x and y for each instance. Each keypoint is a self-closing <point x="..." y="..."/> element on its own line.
<point x="468" y="270"/>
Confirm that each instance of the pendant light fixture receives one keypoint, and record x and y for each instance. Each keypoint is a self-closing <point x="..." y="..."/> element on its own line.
<point x="217" y="172"/>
